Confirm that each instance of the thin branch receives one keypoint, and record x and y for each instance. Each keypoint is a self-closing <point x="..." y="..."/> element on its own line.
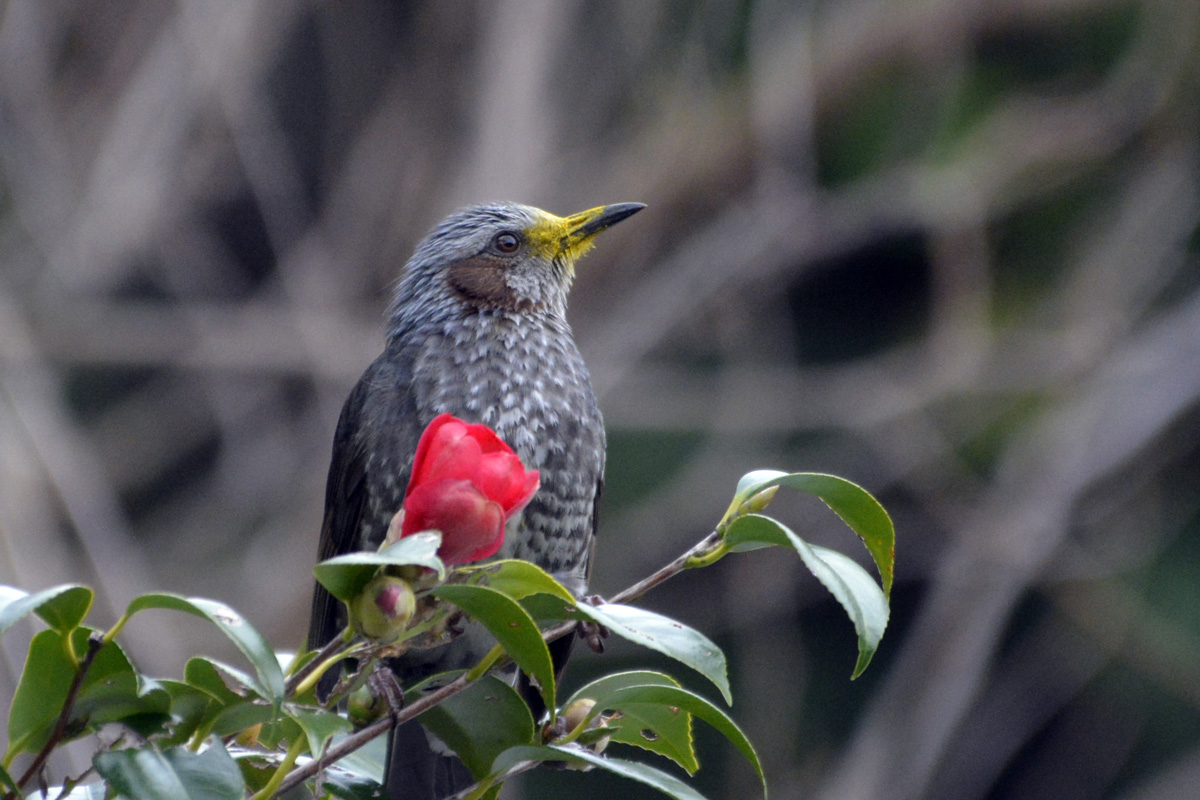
<point x="376" y="728"/>
<point x="669" y="571"/>
<point x="322" y="655"/>
<point x="94" y="645"/>
<point x="69" y="784"/>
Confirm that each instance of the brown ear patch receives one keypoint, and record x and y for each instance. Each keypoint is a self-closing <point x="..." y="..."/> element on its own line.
<point x="480" y="281"/>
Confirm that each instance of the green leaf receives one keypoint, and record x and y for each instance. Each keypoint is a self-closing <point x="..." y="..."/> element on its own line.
<point x="113" y="691"/>
<point x="548" y="610"/>
<point x="665" y="635"/>
<point x="110" y="691"/>
<point x="237" y="717"/>
<point x="241" y="677"/>
<point x="854" y="504"/>
<point x="62" y="607"/>
<point x="660" y="707"/>
<point x="178" y="773"/>
<point x="203" y="701"/>
<point x="752" y="480"/>
<point x="187" y="709"/>
<point x="849" y="583"/>
<point x="7" y="781"/>
<point x="203" y="674"/>
<point x="345" y="576"/>
<point x="642" y="773"/>
<point x="513" y="628"/>
<point x="519" y="579"/>
<point x="319" y="727"/>
<point x="258" y="768"/>
<point x="269" y="682"/>
<point x="546" y="600"/>
<point x="40" y="694"/>
<point x="347" y="784"/>
<point x="481" y="722"/>
<point x="619" y="680"/>
<point x="654" y="728"/>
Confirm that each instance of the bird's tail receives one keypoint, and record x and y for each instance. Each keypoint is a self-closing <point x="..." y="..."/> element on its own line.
<point x="415" y="771"/>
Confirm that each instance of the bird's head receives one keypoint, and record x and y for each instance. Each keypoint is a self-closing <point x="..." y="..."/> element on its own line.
<point x="499" y="257"/>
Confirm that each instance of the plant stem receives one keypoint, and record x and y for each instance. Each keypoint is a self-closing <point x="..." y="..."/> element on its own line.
<point x="376" y="728"/>
<point x="490" y="660"/>
<point x="318" y="660"/>
<point x="289" y="761"/>
<point x="94" y="645"/>
<point x="314" y="675"/>
<point x="117" y="627"/>
<point x="669" y="571"/>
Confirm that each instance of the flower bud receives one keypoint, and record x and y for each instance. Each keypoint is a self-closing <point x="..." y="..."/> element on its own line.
<point x="248" y="737"/>
<point x="383" y="608"/>
<point x="364" y="707"/>
<point x="577" y="711"/>
<point x="593" y="739"/>
<point x="757" y="502"/>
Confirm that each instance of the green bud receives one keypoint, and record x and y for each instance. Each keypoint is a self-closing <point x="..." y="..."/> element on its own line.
<point x="249" y="736"/>
<point x="381" y="611"/>
<point x="364" y="707"/>
<point x="758" y="501"/>
<point x="573" y="716"/>
<point x="576" y="712"/>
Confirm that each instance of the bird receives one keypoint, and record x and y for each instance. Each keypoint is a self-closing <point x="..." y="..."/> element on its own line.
<point x="477" y="328"/>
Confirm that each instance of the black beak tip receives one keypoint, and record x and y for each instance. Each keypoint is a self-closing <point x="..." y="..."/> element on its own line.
<point x="610" y="216"/>
<point x="619" y="211"/>
<point x="606" y="218"/>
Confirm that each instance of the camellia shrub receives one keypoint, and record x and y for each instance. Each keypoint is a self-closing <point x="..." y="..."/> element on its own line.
<point x="260" y="730"/>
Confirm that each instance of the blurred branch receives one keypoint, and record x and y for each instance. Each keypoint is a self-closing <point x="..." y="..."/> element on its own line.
<point x="263" y="338"/>
<point x="1020" y="521"/>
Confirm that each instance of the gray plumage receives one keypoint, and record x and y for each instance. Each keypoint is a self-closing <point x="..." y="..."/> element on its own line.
<point x="480" y="332"/>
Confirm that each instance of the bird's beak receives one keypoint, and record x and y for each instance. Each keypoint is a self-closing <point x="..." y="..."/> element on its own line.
<point x="577" y="230"/>
<point x="586" y="224"/>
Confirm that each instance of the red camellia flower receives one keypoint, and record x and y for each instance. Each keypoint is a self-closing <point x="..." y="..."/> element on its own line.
<point x="465" y="483"/>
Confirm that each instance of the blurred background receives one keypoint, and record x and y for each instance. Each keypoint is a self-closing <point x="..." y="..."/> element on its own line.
<point x="947" y="249"/>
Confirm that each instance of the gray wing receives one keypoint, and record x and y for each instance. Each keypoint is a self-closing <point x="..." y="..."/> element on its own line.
<point x="373" y="447"/>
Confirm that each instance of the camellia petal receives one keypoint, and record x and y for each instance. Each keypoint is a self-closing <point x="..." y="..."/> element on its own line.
<point x="501" y="478"/>
<point x="452" y="454"/>
<point x="528" y="490"/>
<point x="472" y="526"/>
<point x="467" y="483"/>
<point x="424" y="445"/>
<point x="489" y="442"/>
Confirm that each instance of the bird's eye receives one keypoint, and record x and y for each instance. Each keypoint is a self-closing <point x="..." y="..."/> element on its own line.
<point x="507" y="242"/>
